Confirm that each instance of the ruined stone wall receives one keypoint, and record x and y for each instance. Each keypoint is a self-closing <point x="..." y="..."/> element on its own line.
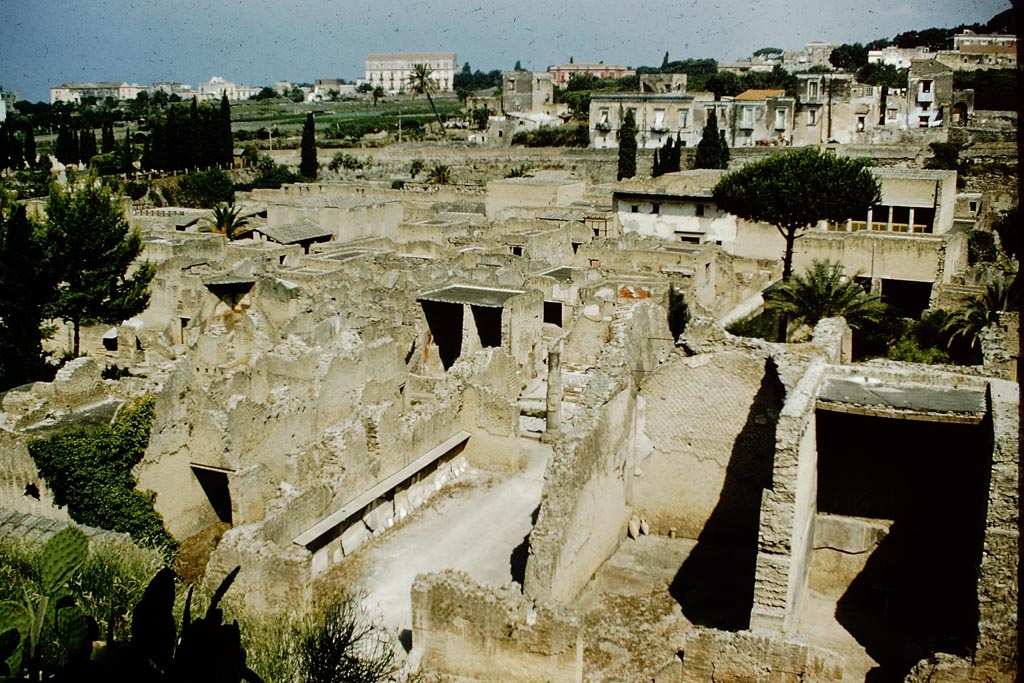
<point x="587" y="496"/>
<point x="522" y="322"/>
<point x="490" y="409"/>
<point x="497" y="635"/>
<point x="788" y="511"/>
<point x="740" y="657"/>
<point x="998" y="585"/>
<point x="17" y="471"/>
<point x="918" y="258"/>
<point x="709" y="417"/>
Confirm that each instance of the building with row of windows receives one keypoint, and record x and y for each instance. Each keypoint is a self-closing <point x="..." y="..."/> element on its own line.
<point x="391" y="71"/>
<point x="213" y="89"/>
<point x="562" y="73"/>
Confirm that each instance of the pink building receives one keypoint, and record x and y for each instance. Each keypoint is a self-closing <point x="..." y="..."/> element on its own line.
<point x="563" y="72"/>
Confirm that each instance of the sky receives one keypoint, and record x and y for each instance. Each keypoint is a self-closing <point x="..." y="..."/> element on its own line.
<point x="258" y="42"/>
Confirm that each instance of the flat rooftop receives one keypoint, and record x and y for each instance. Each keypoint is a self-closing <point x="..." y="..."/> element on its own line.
<point x="474" y="296"/>
<point x="915" y="401"/>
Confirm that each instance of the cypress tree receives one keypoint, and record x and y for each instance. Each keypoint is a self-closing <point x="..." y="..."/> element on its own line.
<point x="307" y="164"/>
<point x="107" y="142"/>
<point x="87" y="144"/>
<point x="64" y="147"/>
<point x="23" y="291"/>
<point x="712" y="150"/>
<point x="226" y="143"/>
<point x="194" y="137"/>
<point x="30" y="146"/>
<point x="627" y="146"/>
<point x="5" y="145"/>
<point x="126" y="155"/>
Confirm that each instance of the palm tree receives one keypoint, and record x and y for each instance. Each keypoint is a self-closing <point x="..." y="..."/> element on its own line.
<point x="440" y="174"/>
<point x="823" y="291"/>
<point x="421" y="83"/>
<point x="979" y="311"/>
<point x="226" y="220"/>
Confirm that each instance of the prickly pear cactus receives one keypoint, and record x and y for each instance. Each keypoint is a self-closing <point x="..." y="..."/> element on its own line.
<point x="62" y="556"/>
<point x="15" y="622"/>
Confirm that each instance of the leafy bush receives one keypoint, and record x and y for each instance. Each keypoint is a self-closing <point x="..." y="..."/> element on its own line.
<point x="206" y="189"/>
<point x="759" y="325"/>
<point x="345" y="161"/>
<point x="397" y="184"/>
<point x="981" y="247"/>
<point x="135" y="190"/>
<point x="90" y="471"/>
<point x="563" y="136"/>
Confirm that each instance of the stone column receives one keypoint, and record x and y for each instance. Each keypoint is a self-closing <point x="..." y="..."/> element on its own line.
<point x="554" y="395"/>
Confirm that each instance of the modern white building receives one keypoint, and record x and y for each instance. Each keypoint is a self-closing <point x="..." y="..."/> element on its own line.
<point x="217" y="86"/>
<point x="391" y="71"/>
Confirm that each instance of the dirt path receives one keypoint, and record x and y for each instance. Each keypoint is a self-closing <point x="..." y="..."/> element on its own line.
<point x="473" y="529"/>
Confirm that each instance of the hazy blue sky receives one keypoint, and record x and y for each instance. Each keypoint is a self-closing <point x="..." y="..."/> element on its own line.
<point x="257" y="42"/>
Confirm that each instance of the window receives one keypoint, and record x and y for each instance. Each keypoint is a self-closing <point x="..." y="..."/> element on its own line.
<point x="861" y="120"/>
<point x="699" y="210"/>
<point x="748" y="117"/>
<point x="812" y="117"/>
<point x="684" y="118"/>
<point x="659" y="119"/>
<point x="780" y="119"/>
<point x="926" y="86"/>
<point x="812" y="90"/>
<point x="635" y="208"/>
<point x="655" y="208"/>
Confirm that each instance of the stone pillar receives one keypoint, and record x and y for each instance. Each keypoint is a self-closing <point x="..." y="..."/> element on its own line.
<point x="554" y="395"/>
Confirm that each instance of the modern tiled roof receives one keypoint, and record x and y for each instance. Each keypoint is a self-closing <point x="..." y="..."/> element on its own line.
<point x="753" y="95"/>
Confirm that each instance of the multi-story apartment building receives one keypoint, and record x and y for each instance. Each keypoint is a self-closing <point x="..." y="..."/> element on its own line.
<point x="391" y="71"/>
<point x="76" y="92"/>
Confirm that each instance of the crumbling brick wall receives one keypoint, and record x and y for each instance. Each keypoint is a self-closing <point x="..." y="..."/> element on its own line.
<point x="587" y="497"/>
<point x="490" y="634"/>
<point x="698" y="408"/>
<point x="744" y="657"/>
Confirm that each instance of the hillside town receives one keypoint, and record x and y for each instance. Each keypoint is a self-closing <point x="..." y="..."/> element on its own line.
<point x="602" y="373"/>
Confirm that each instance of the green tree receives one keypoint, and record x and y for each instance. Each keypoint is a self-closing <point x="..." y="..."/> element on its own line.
<point x="107" y="142"/>
<point x="824" y="291"/>
<point x="724" y="83"/>
<point x="627" y="146"/>
<point x="440" y="174"/>
<point x="307" y="164"/>
<point x="30" y="146"/>
<point x="227" y="220"/>
<point x="979" y="311"/>
<point x="712" y="150"/>
<point x="91" y="250"/>
<point x="377" y="94"/>
<point x="126" y="155"/>
<point x="24" y="290"/>
<point x="795" y="190"/>
<point x="849" y="57"/>
<point x="416" y="167"/>
<point x="421" y="83"/>
<point x="87" y="145"/>
<point x="225" y="140"/>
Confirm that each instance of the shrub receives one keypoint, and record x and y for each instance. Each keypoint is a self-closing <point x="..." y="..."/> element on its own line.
<point x="206" y="189"/>
<point x="345" y="161"/>
<point x="90" y="471"/>
<point x="563" y="136"/>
